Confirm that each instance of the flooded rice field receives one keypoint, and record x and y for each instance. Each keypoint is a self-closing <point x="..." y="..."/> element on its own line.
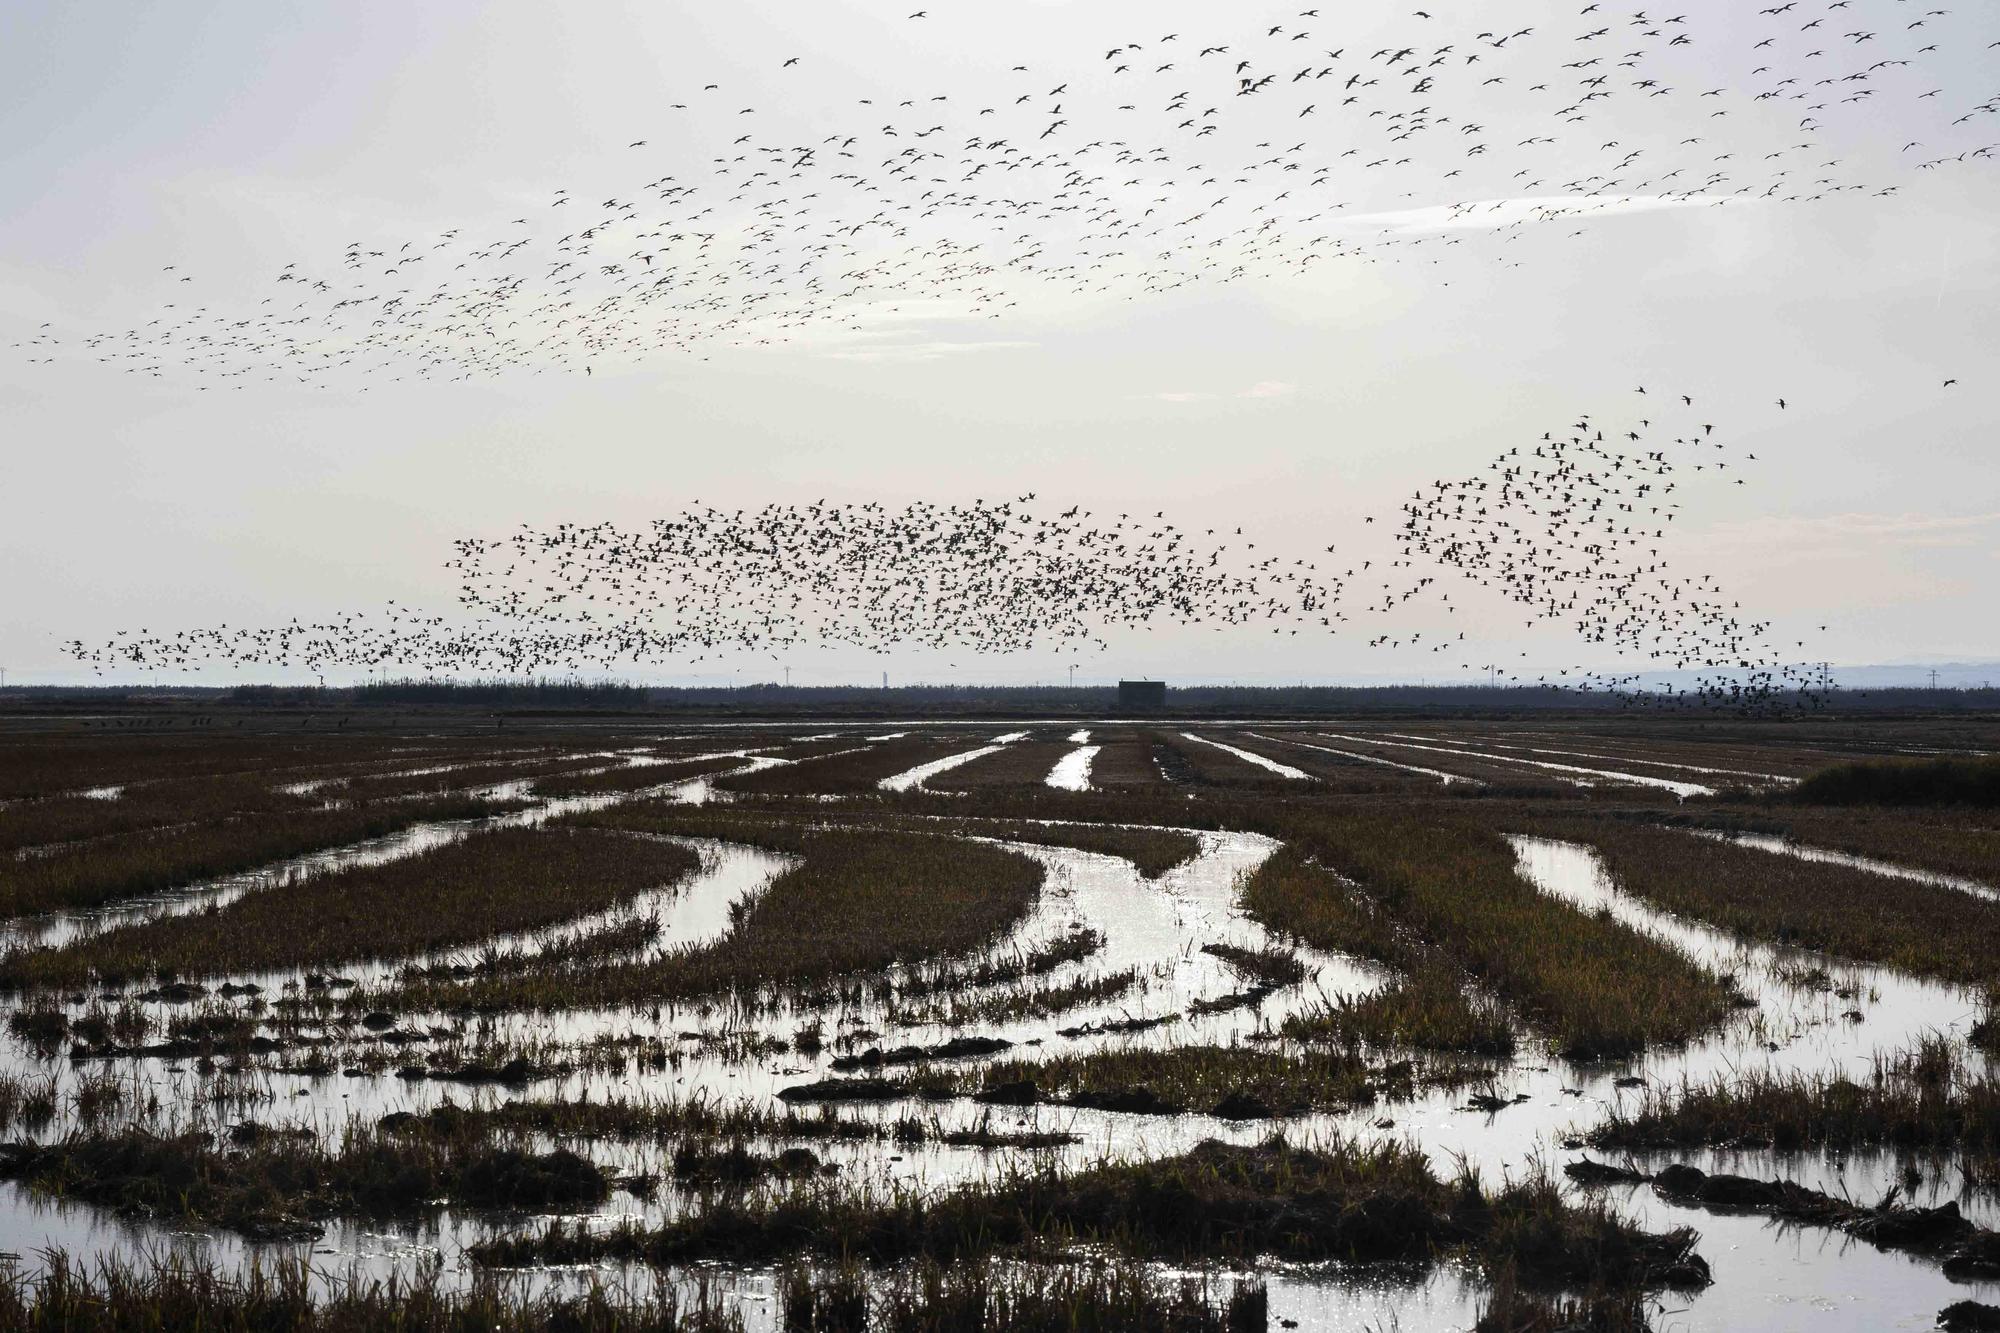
<point x="1317" y="1024"/>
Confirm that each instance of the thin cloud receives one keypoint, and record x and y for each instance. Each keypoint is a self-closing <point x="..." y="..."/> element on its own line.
<point x="1858" y="531"/>
<point x="1261" y="389"/>
<point x="1495" y="213"/>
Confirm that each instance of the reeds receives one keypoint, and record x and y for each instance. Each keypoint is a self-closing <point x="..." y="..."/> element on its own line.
<point x="1341" y="1200"/>
<point x="1969" y="782"/>
<point x="1026" y="1002"/>
<point x="288" y="1295"/>
<point x="1235" y="1082"/>
<point x="1426" y="1011"/>
<point x="1926" y="1100"/>
<point x="651" y="1119"/>
<point x="1509" y="1308"/>
<point x="984" y="1297"/>
<point x="283" y="1184"/>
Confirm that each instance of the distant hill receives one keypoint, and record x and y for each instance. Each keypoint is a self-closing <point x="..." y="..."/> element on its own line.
<point x="1950" y="675"/>
<point x="1977" y="675"/>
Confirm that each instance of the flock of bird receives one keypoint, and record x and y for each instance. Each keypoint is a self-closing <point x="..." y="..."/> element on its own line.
<point x="1572" y="528"/>
<point x="987" y="576"/>
<point x="1171" y="158"/>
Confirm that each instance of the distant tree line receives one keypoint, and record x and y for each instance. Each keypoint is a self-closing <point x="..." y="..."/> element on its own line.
<point x="1054" y="701"/>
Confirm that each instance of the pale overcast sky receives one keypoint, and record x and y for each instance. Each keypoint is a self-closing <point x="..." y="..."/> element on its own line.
<point x="231" y="139"/>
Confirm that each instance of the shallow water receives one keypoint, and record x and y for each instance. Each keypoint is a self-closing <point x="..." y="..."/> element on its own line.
<point x="1072" y="771"/>
<point x="913" y="779"/>
<point x="1642" y="760"/>
<point x="1682" y="789"/>
<point x="1766" y="1275"/>
<point x="1445" y="778"/>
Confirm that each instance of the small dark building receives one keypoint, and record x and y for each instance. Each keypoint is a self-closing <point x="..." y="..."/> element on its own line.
<point x="1142" y="694"/>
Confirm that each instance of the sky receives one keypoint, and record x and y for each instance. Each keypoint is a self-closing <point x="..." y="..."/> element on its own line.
<point x="1293" y="401"/>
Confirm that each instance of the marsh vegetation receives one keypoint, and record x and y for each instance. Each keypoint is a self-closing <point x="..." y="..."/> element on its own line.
<point x="982" y="1052"/>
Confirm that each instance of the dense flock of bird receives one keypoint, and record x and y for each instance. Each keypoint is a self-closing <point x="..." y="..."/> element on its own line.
<point x="1265" y="148"/>
<point x="1571" y="528"/>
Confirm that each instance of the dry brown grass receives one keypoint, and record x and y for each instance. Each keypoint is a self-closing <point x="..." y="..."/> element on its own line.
<point x="487" y="885"/>
<point x="1595" y="986"/>
<point x="105" y="870"/>
<point x="855" y="903"/>
<point x="173" y="801"/>
<point x="1020" y="764"/>
<point x="1124" y="764"/>
<point x="1916" y="927"/>
<point x="1965" y="843"/>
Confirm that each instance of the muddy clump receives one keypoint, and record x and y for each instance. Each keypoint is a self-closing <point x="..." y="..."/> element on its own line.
<point x="1968" y="1252"/>
<point x="958" y="1048"/>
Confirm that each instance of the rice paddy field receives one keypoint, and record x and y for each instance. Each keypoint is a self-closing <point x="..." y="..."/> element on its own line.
<point x="1547" y="1023"/>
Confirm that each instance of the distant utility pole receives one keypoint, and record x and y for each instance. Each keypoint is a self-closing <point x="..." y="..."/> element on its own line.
<point x="1072" y="676"/>
<point x="885" y="680"/>
<point x="788" y="678"/>
<point x="1933" y="677"/>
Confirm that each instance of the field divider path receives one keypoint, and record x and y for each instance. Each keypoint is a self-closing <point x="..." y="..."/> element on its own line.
<point x="913" y="779"/>
<point x="1906" y="1006"/>
<point x="1251" y="757"/>
<point x="693" y="911"/>
<point x="58" y="930"/>
<point x="1781" y="846"/>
